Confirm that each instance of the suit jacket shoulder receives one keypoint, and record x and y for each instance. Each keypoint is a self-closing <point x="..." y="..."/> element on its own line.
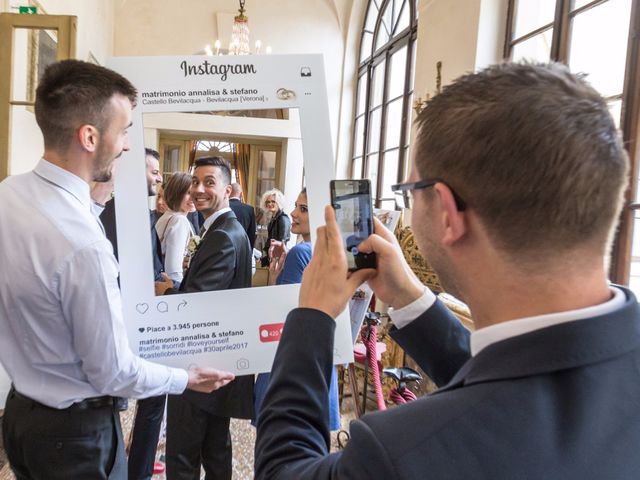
<point x="545" y="404"/>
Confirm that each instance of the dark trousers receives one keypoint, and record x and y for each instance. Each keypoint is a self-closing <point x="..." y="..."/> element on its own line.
<point x="144" y="439"/>
<point x="50" y="444"/>
<point x="196" y="437"/>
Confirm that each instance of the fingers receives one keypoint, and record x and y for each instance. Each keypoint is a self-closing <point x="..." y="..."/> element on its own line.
<point x="165" y="277"/>
<point x="375" y="243"/>
<point x="383" y="231"/>
<point x="358" y="277"/>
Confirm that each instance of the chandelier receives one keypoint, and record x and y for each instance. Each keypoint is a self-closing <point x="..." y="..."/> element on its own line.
<point x="240" y="33"/>
<point x="240" y="43"/>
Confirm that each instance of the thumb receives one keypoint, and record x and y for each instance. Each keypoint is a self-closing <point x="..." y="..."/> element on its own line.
<point x="165" y="277"/>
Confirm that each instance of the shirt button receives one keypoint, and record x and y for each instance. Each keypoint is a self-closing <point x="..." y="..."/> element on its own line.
<point x="58" y="445"/>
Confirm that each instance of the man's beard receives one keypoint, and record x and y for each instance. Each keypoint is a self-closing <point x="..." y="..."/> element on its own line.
<point x="102" y="176"/>
<point x="103" y="167"/>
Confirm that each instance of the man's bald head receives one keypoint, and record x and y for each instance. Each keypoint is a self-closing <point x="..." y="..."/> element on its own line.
<point x="236" y="190"/>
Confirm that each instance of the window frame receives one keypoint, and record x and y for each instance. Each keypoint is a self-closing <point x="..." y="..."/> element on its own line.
<point x="620" y="262"/>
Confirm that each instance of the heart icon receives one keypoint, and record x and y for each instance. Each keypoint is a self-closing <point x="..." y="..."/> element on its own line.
<point x="141" y="329"/>
<point x="142" y="307"/>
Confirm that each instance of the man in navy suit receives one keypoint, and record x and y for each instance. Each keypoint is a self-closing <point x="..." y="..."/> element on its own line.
<point x="518" y="175"/>
<point x="198" y="425"/>
<point x="245" y="213"/>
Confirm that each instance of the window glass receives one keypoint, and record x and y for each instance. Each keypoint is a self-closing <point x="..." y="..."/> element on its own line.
<point x="531" y="15"/>
<point x="362" y="94"/>
<point x="386" y="26"/>
<point x="356" y="171"/>
<point x="393" y="124"/>
<point x="404" y="17"/>
<point x="365" y="48"/>
<point x="378" y="84"/>
<point x="359" y="139"/>
<point x="579" y="4"/>
<point x="372" y="15"/>
<point x="598" y="45"/>
<point x="397" y="74"/>
<point x="372" y="173"/>
<point x="615" y="107"/>
<point x="536" y="48"/>
<point x="374" y="131"/>
<point x="390" y="173"/>
<point x="634" y="279"/>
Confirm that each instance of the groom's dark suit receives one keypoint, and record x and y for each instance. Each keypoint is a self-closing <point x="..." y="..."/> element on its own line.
<point x="562" y="402"/>
<point x="197" y="423"/>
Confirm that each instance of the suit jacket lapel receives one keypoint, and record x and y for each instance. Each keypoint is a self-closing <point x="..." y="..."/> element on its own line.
<point x="214" y="226"/>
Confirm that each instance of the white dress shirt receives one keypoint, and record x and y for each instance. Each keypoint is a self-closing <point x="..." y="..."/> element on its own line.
<point x="174" y="232"/>
<point x="484" y="337"/>
<point x="209" y="221"/>
<point x="63" y="337"/>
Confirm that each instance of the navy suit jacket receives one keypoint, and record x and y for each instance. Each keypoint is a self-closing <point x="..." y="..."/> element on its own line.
<point x="108" y="219"/>
<point x="222" y="262"/>
<point x="562" y="402"/>
<point x="247" y="218"/>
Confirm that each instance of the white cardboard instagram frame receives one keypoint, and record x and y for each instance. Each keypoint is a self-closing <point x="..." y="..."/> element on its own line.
<point x="222" y="328"/>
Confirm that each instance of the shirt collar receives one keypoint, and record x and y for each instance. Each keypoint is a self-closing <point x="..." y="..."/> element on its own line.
<point x="65" y="180"/>
<point x="484" y="337"/>
<point x="209" y="221"/>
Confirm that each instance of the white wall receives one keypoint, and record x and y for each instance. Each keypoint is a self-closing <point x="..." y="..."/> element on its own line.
<point x="94" y="39"/>
<point x="465" y="35"/>
<point x="166" y="27"/>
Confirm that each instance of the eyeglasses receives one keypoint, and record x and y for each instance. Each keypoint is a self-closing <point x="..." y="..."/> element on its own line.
<point x="405" y="200"/>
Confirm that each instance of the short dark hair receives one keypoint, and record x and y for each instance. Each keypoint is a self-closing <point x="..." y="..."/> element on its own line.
<point x="219" y="162"/>
<point x="533" y="150"/>
<point x="73" y="93"/>
<point x="152" y="153"/>
<point x="175" y="189"/>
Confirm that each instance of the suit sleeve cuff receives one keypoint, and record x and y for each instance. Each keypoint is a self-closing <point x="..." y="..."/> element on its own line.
<point x="402" y="317"/>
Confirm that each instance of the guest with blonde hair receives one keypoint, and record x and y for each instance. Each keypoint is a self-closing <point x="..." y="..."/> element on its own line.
<point x="279" y="227"/>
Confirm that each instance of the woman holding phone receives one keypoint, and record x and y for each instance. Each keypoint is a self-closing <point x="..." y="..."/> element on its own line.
<point x="287" y="268"/>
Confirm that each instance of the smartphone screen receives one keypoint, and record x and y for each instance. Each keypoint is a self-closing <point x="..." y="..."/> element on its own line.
<point x="351" y="199"/>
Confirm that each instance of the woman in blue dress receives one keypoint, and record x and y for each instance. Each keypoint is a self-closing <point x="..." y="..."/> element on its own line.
<point x="285" y="268"/>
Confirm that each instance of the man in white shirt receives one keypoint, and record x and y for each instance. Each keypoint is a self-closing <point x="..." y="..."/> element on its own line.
<point x="64" y="342"/>
<point x="518" y="177"/>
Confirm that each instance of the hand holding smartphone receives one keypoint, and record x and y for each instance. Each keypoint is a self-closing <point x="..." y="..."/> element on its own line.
<point x="351" y="200"/>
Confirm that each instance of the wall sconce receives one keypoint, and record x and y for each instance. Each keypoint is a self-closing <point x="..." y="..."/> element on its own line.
<point x="420" y="103"/>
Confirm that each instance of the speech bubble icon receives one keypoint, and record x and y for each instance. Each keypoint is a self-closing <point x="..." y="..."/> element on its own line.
<point x="141" y="329"/>
<point x="163" y="307"/>
<point x="142" y="308"/>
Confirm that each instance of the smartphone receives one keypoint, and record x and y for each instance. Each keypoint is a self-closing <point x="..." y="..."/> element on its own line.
<point x="351" y="199"/>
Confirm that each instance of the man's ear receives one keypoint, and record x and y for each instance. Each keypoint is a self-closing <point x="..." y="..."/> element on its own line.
<point x="453" y="221"/>
<point x="227" y="191"/>
<point x="88" y="137"/>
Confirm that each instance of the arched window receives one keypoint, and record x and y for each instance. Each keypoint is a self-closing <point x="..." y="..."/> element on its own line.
<point x="599" y="38"/>
<point x="384" y="96"/>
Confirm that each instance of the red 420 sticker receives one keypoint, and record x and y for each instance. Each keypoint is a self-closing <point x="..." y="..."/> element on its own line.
<point x="271" y="332"/>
